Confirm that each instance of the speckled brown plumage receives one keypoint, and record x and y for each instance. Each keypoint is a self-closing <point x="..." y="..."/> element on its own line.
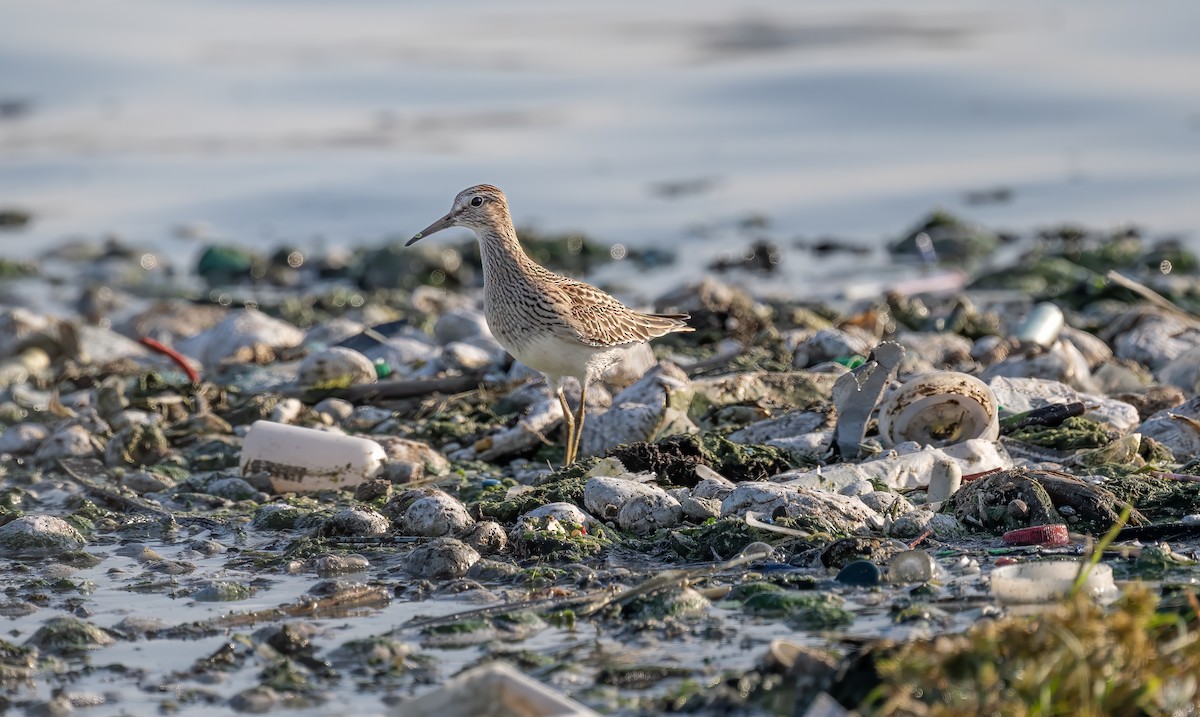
<point x="554" y="324"/>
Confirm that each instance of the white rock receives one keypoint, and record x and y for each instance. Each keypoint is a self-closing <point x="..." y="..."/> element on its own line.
<point x="404" y="354"/>
<point x="1183" y="371"/>
<point x="33" y="536"/>
<point x="365" y="418"/>
<point x="143" y="482"/>
<point x="356" y="522"/>
<point x="903" y="468"/>
<point x="709" y="489"/>
<point x="435" y="515"/>
<point x="460" y="325"/>
<point x="829" y="344"/>
<point x="565" y="513"/>
<point x="653" y="407"/>
<point x="238" y="330"/>
<point x="650" y="511"/>
<point x="332" y="331"/>
<point x="700" y="509"/>
<point x="789" y="425"/>
<point x="23" y="438"/>
<point x="335" y="367"/>
<point x="604" y="496"/>
<point x="858" y="488"/>
<point x="1091" y="347"/>
<point x="406" y="450"/>
<point x="846" y="513"/>
<point x="1178" y="428"/>
<point x="442" y="559"/>
<point x="1156" y="339"/>
<point x="134" y="417"/>
<point x="882" y="501"/>
<point x="915" y="522"/>
<point x="337" y="409"/>
<point x="287" y="410"/>
<point x="940" y="350"/>
<point x="1017" y="395"/>
<point x="465" y="357"/>
<point x="1062" y="362"/>
<point x="71" y="442"/>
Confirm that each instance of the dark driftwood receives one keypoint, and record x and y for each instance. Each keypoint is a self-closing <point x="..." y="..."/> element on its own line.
<point x="389" y="390"/>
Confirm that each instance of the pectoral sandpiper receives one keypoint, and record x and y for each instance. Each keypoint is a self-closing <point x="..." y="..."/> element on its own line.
<point x="553" y="324"/>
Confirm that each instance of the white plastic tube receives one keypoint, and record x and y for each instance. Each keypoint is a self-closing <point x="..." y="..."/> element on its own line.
<point x="298" y="460"/>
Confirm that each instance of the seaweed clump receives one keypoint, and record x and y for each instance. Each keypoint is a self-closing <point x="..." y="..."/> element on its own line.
<point x="674" y="459"/>
<point x="1077" y="658"/>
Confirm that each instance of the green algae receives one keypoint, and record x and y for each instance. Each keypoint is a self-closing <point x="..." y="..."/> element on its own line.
<point x="223" y="591"/>
<point x="544" y="539"/>
<point x="68" y="635"/>
<point x="715" y="540"/>
<point x="1060" y="661"/>
<point x="951" y="238"/>
<point x="806" y="610"/>
<point x="674" y="459"/>
<point x="1074" y="433"/>
<point x="745" y="591"/>
<point x="565" y="485"/>
<point x="1156" y="498"/>
<point x="137" y="445"/>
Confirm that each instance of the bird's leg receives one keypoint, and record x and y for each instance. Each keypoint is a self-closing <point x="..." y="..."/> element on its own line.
<point x="568" y="427"/>
<point x="579" y="417"/>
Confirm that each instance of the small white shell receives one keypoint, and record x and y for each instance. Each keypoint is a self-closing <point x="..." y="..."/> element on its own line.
<point x="939" y="408"/>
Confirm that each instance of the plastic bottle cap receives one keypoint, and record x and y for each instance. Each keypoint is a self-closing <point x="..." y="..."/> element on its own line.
<point x="1050" y="536"/>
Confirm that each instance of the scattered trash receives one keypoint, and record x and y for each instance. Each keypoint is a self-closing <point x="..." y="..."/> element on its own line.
<point x="860" y="573"/>
<point x="493" y="689"/>
<point x="1049" y="536"/>
<point x="298" y="460"/>
<point x="912" y="566"/>
<point x="939" y="409"/>
<point x="944" y="480"/>
<point x="1048" y="580"/>
<point x="856" y="393"/>
<point x="1042" y="326"/>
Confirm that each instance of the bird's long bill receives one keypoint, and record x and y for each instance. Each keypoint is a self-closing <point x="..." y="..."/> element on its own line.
<point x="443" y="223"/>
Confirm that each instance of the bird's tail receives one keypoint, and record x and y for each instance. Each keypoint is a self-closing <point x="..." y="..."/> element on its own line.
<point x="662" y="324"/>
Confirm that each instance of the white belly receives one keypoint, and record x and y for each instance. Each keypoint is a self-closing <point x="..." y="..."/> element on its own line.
<point x="556" y="357"/>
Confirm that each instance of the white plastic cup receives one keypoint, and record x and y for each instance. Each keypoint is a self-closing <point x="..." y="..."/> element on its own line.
<point x="1042" y="326"/>
<point x="299" y="460"/>
<point x="944" y="481"/>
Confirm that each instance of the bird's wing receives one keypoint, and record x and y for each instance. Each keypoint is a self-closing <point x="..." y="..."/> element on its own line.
<point x="597" y="319"/>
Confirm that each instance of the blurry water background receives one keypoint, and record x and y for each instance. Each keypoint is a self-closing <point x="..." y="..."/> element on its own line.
<point x="652" y="124"/>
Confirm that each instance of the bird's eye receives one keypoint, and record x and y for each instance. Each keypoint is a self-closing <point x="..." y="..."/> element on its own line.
<point x="477" y="202"/>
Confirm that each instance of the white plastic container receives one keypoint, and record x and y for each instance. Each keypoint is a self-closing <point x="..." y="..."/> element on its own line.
<point x="299" y="460"/>
<point x="944" y="481"/>
<point x="493" y="690"/>
<point x="1050" y="580"/>
<point x="903" y="471"/>
<point x="939" y="408"/>
<point x="1042" y="326"/>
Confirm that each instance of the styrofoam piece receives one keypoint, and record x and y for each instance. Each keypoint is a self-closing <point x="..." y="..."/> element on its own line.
<point x="1049" y="580"/>
<point x="493" y="690"/>
<point x="904" y="471"/>
<point x="298" y="459"/>
<point x="939" y="408"/>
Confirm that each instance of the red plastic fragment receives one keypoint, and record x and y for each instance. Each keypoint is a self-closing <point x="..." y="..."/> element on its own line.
<point x="1050" y="536"/>
<point x="173" y="355"/>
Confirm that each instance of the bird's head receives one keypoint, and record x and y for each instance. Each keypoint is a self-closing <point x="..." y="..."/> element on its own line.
<point x="480" y="207"/>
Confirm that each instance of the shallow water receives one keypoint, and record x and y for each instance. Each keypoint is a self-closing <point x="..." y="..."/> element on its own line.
<point x="323" y="125"/>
